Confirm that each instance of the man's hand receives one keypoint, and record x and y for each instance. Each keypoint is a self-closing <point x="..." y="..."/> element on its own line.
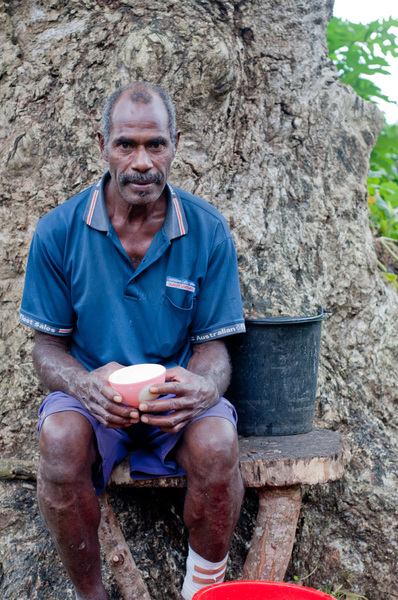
<point x="196" y="388"/>
<point x="60" y="371"/>
<point x="193" y="395"/>
<point x="102" y="401"/>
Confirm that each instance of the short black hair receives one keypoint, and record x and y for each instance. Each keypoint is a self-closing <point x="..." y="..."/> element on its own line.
<point x="141" y="92"/>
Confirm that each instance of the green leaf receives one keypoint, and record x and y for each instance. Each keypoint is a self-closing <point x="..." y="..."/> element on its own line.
<point x="358" y="52"/>
<point x="392" y="278"/>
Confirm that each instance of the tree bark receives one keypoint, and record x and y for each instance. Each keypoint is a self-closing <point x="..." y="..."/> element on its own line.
<point x="118" y="554"/>
<point x="273" y="139"/>
<point x="274" y="533"/>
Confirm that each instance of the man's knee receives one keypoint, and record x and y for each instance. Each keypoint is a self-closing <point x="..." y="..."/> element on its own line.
<point x="211" y="450"/>
<point x="215" y="488"/>
<point x="67" y="447"/>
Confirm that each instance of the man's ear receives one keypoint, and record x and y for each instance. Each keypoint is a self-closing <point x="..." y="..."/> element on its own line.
<point x="102" y="146"/>
<point x="177" y="139"/>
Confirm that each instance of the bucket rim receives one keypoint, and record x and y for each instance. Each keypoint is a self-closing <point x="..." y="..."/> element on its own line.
<point x="272" y="585"/>
<point x="289" y="320"/>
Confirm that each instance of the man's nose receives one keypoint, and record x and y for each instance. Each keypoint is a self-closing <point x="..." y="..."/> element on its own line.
<point x="141" y="160"/>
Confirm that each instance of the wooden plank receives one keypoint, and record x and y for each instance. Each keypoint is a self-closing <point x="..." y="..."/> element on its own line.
<point x="309" y="458"/>
<point x="306" y="459"/>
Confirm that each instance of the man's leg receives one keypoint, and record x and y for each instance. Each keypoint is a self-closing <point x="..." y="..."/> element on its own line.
<point x="209" y="453"/>
<point x="67" y="499"/>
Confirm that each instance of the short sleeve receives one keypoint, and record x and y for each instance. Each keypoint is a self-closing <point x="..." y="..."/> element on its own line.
<point x="46" y="302"/>
<point x="219" y="305"/>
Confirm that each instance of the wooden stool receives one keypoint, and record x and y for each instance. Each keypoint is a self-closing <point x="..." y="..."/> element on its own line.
<point x="277" y="467"/>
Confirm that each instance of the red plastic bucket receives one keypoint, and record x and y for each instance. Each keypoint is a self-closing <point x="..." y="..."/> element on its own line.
<point x="259" y="590"/>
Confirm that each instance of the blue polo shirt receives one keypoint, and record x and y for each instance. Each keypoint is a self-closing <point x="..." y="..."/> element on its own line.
<point x="81" y="283"/>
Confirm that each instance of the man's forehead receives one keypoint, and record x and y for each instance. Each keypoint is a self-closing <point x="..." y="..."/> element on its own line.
<point x="128" y="111"/>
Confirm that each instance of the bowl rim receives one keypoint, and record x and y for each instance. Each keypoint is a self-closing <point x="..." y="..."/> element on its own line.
<point x="159" y="368"/>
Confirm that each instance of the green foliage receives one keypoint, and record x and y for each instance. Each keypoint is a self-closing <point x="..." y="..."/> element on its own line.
<point x="359" y="51"/>
<point x="335" y="591"/>
<point x="385" y="153"/>
<point x="389" y="244"/>
<point x="383" y="183"/>
<point x="343" y="594"/>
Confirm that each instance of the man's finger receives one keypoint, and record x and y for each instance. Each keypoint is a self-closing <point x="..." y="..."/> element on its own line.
<point x="113" y="422"/>
<point x="111" y="414"/>
<point x="166" y="404"/>
<point x="170" y="387"/>
<point x="118" y="409"/>
<point x="110" y="394"/>
<point x="176" y="419"/>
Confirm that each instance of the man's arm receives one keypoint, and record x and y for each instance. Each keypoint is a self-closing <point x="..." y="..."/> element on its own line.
<point x="60" y="371"/>
<point x="196" y="388"/>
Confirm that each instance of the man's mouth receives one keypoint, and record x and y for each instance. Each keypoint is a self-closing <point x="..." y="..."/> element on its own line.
<point x="141" y="180"/>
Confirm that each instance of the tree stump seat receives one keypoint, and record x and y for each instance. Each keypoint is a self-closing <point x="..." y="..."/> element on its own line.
<point x="277" y="467"/>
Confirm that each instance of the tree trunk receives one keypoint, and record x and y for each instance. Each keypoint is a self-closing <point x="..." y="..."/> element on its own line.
<point x="275" y="141"/>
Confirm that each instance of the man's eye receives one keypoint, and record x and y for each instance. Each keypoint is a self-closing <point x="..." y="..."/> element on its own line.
<point x="156" y="145"/>
<point x="125" y="144"/>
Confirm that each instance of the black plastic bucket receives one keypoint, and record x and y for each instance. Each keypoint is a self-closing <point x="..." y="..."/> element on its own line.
<point x="274" y="374"/>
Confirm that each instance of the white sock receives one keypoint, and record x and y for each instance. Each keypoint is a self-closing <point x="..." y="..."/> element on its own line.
<point x="201" y="573"/>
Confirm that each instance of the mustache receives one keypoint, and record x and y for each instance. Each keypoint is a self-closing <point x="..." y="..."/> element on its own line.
<point x="141" y="178"/>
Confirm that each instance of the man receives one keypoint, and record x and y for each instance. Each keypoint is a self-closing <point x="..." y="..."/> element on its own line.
<point x="134" y="270"/>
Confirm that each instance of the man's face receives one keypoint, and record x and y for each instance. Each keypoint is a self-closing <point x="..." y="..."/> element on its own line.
<point x="139" y="151"/>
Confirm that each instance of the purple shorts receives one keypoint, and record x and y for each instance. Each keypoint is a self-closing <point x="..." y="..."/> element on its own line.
<point x="150" y="446"/>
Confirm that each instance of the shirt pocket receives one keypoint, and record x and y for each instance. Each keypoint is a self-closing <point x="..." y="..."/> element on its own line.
<point x="171" y="330"/>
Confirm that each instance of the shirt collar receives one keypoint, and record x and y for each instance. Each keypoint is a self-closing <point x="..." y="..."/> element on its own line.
<point x="175" y="222"/>
<point x="96" y="215"/>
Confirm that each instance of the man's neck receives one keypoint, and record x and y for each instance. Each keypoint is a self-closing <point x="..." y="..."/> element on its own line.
<point x="133" y="214"/>
<point x="135" y="224"/>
